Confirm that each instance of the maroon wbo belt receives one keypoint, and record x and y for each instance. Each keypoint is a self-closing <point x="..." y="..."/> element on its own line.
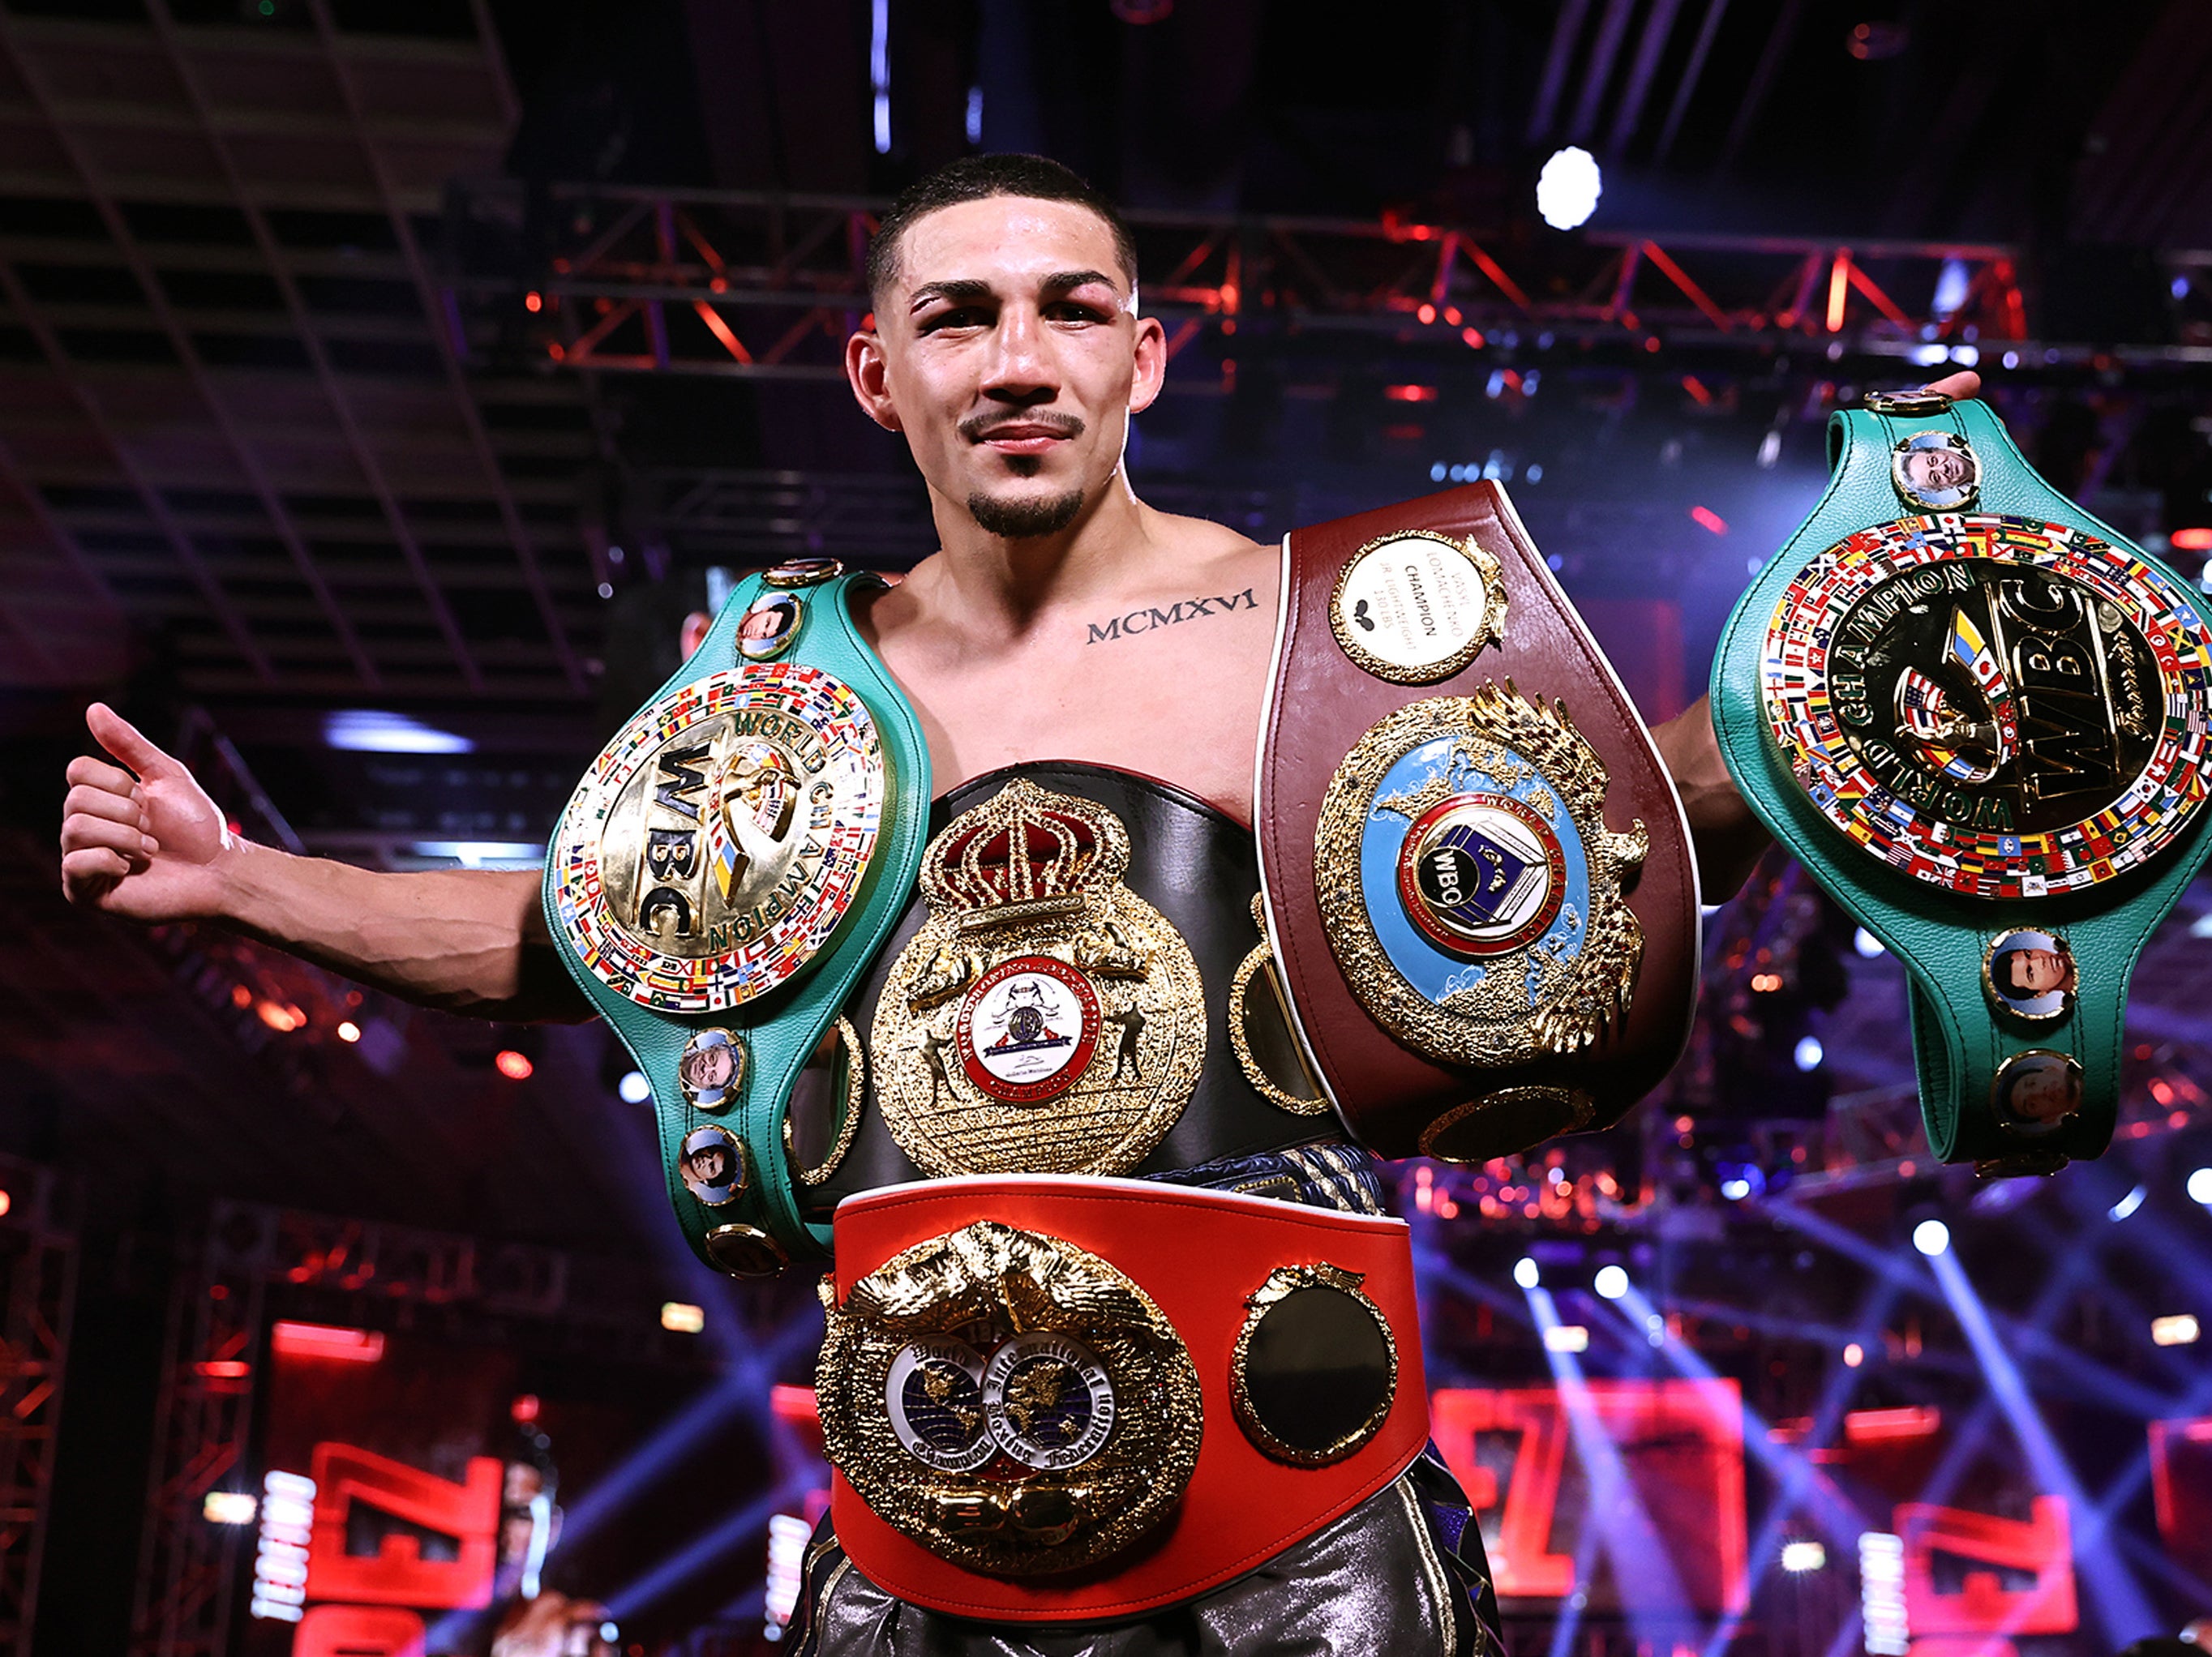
<point x="1481" y="903"/>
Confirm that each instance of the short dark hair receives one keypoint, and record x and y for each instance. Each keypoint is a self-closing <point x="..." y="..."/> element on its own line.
<point x="979" y="178"/>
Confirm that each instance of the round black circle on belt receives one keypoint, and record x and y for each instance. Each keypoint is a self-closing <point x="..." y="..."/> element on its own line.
<point x="1315" y="1369"/>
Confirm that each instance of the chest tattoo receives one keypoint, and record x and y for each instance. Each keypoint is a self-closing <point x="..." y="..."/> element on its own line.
<point x="1152" y="617"/>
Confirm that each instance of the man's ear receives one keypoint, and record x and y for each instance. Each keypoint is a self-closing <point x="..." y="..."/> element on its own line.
<point x="869" y="374"/>
<point x="1151" y="364"/>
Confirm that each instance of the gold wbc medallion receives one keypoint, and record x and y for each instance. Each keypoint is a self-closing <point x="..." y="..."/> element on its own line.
<point x="1045" y="1019"/>
<point x="1471" y="887"/>
<point x="715" y="844"/>
<point x="1012" y="1402"/>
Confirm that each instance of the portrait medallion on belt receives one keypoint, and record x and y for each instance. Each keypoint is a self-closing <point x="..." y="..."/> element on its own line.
<point x="1999" y="706"/>
<point x="1008" y="1401"/>
<point x="1472" y="890"/>
<point x="1045" y="1019"/>
<point x="720" y="837"/>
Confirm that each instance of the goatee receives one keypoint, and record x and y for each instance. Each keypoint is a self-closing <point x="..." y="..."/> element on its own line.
<point x="1025" y="519"/>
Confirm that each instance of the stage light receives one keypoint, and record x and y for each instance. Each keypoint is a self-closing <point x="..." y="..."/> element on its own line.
<point x="230" y="1507"/>
<point x="515" y="1066"/>
<point x="1800" y="1557"/>
<point x="222" y="1369"/>
<point x="1735" y="1190"/>
<point x="1927" y="356"/>
<point x="2179" y="287"/>
<point x="2128" y="1204"/>
<point x="1566" y="1338"/>
<point x="2200" y="1186"/>
<point x="634" y="1089"/>
<point x="348" y="1031"/>
<point x="1854" y="1356"/>
<point x="1866" y="945"/>
<point x="1611" y="1283"/>
<point x="682" y="1319"/>
<point x="2192" y="537"/>
<point x="2179" y="1329"/>
<point x="481" y="853"/>
<point x="1568" y="188"/>
<point x="1766" y="983"/>
<point x="1437" y="472"/>
<point x="1533" y="473"/>
<point x="879" y="72"/>
<point x="1951" y="288"/>
<point x="524" y="1409"/>
<point x="2012" y="359"/>
<point x="975" y="115"/>
<point x="1809" y="1053"/>
<point x="1526" y="1272"/>
<point x="379" y="731"/>
<point x="1888" y="1633"/>
<point x="323" y="1340"/>
<point x="6" y="1202"/>
<point x="1706" y="519"/>
<point x="1769" y="450"/>
<point x="1965" y="355"/>
<point x="1931" y="1237"/>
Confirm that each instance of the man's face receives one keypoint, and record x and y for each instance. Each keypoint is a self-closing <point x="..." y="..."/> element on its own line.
<point x="1938" y="469"/>
<point x="706" y="1068"/>
<point x="2046" y="1093"/>
<point x="709" y="1166"/>
<point x="2037" y="972"/>
<point x="1008" y="350"/>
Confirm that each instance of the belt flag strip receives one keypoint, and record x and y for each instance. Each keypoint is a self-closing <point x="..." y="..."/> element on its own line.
<point x="1038" y="1410"/>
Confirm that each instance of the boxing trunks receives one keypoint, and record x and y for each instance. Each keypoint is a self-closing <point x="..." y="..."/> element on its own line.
<point x="1980" y="717"/>
<point x="1115" y="1319"/>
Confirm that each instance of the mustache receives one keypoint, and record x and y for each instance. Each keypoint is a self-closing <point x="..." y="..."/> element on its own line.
<point x="977" y="429"/>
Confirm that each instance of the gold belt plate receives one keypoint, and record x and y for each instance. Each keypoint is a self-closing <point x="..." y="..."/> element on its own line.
<point x="1045" y="1019"/>
<point x="718" y="840"/>
<point x="1012" y="1402"/>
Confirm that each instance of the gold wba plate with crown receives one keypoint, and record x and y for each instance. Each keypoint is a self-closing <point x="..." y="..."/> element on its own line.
<point x="1045" y="1019"/>
<point x="716" y="843"/>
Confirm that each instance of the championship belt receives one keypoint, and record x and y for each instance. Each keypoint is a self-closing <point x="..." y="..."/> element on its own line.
<point x="1978" y="716"/>
<point x="722" y="876"/>
<point x="1059" y="1399"/>
<point x="1481" y="902"/>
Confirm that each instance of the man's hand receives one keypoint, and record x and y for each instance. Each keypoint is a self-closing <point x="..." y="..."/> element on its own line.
<point x="1725" y="836"/>
<point x="146" y="846"/>
<point x="1958" y="387"/>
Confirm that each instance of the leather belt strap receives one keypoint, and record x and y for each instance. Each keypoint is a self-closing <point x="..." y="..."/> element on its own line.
<point x="1434" y="1084"/>
<point x="1090" y="1283"/>
<point x="748" y="1221"/>
<point x="2014" y="1080"/>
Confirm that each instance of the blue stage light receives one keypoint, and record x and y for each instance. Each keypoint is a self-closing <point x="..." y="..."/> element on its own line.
<point x="1611" y="1283"/>
<point x="1526" y="1272"/>
<point x="1810" y="1052"/>
<point x="1931" y="1237"/>
<point x="1866" y="945"/>
<point x="2128" y="1204"/>
<point x="2200" y="1186"/>
<point x="634" y="1087"/>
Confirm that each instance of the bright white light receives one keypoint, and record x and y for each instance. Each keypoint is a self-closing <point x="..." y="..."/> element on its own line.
<point x="1810" y="1052"/>
<point x="2129" y="1204"/>
<point x="679" y="1318"/>
<point x="1950" y="288"/>
<point x="634" y="1089"/>
<point x="879" y="70"/>
<point x="379" y="731"/>
<point x="2200" y="1186"/>
<point x="1566" y="1338"/>
<point x="1931" y="1237"/>
<point x="2180" y="1330"/>
<point x="1770" y="449"/>
<point x="1525" y="1272"/>
<point x="1735" y="1190"/>
<point x="483" y="853"/>
<point x="1803" y="1556"/>
<point x="1867" y="945"/>
<point x="1965" y="355"/>
<point x="1568" y="188"/>
<point x="1611" y="1283"/>
<point x="1854" y="1356"/>
<point x="230" y="1507"/>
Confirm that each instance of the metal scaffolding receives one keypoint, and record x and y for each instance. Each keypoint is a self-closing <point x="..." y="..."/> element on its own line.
<point x="37" y="1276"/>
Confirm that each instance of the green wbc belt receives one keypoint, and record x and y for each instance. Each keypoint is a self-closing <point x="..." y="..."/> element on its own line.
<point x="722" y="876"/>
<point x="1980" y="717"/>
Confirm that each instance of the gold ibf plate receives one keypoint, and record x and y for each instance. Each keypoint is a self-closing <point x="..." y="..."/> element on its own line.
<point x="1045" y="1019"/>
<point x="716" y="843"/>
<point x="1012" y="1402"/>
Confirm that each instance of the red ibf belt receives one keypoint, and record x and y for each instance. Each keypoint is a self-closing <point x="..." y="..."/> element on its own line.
<point x="1480" y="894"/>
<point x="1055" y="1399"/>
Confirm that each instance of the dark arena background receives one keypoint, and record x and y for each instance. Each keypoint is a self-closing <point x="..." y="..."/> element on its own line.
<point x="382" y="383"/>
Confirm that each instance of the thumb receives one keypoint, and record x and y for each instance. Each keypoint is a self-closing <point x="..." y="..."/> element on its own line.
<point x="126" y="742"/>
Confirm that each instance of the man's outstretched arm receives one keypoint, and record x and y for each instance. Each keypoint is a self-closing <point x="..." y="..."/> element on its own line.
<point x="142" y="839"/>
